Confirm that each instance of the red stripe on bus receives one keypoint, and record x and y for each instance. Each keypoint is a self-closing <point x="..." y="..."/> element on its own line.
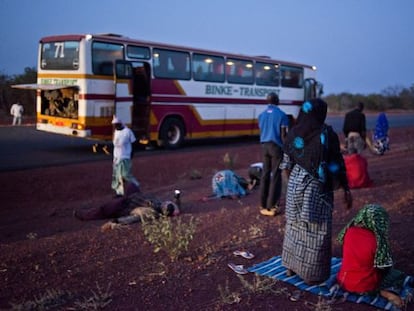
<point x="62" y="38"/>
<point x="234" y="101"/>
<point x="187" y="99"/>
<point x="166" y="86"/>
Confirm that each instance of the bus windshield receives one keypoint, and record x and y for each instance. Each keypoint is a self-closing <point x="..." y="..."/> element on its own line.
<point x="63" y="55"/>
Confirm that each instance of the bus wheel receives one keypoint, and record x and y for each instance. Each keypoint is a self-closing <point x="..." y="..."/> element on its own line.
<point x="172" y="133"/>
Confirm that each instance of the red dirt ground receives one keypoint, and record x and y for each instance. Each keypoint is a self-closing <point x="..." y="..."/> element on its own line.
<point x="45" y="251"/>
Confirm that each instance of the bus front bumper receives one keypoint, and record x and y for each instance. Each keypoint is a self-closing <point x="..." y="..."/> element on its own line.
<point x="62" y="130"/>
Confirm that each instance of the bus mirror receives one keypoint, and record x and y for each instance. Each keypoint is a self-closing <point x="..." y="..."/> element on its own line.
<point x="319" y="89"/>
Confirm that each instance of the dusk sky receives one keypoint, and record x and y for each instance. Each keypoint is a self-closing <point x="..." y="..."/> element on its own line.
<point x="358" y="46"/>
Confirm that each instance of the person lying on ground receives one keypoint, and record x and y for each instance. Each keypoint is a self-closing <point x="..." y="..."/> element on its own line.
<point x="227" y="184"/>
<point x="367" y="264"/>
<point x="131" y="208"/>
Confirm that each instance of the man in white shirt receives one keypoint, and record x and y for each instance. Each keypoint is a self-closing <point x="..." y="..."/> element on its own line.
<point x="122" y="165"/>
<point x="16" y="111"/>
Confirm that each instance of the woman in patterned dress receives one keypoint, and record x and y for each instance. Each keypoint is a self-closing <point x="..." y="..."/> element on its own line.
<point x="312" y="154"/>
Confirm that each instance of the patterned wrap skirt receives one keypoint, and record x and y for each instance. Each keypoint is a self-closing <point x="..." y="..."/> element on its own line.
<point x="307" y="245"/>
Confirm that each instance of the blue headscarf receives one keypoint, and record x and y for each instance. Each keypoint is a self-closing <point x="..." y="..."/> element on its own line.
<point x="315" y="146"/>
<point x="226" y="183"/>
<point x="381" y="128"/>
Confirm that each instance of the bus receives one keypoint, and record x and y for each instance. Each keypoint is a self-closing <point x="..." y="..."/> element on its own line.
<point x="165" y="93"/>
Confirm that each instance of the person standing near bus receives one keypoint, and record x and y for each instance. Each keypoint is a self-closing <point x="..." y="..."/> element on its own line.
<point x="273" y="124"/>
<point x="355" y="129"/>
<point x="16" y="111"/>
<point x="123" y="139"/>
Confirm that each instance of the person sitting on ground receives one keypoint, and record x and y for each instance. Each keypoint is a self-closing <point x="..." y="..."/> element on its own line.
<point x="357" y="170"/>
<point x="354" y="128"/>
<point x="367" y="265"/>
<point x="380" y="136"/>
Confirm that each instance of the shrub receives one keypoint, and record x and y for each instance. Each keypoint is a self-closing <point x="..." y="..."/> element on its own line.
<point x="169" y="234"/>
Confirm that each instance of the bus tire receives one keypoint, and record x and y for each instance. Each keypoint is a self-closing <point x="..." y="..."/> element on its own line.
<point x="172" y="133"/>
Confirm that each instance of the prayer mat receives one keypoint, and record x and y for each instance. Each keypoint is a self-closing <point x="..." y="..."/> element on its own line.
<point x="330" y="288"/>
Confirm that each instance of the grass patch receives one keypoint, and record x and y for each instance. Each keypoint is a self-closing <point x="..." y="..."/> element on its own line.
<point x="172" y="235"/>
<point x="56" y="299"/>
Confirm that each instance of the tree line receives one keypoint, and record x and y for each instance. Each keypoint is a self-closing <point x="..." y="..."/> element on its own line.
<point x="395" y="97"/>
<point x="9" y="95"/>
<point x="391" y="98"/>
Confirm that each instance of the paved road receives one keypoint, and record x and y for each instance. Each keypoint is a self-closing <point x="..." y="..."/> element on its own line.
<point x="395" y="120"/>
<point x="24" y="147"/>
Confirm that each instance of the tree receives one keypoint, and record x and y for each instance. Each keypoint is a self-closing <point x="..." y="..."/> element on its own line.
<point x="9" y="95"/>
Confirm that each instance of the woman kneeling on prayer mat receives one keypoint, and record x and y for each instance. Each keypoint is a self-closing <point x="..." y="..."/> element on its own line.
<point x="367" y="265"/>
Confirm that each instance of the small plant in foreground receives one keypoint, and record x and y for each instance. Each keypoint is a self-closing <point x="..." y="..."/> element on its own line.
<point x="255" y="231"/>
<point x="99" y="299"/>
<point x="228" y="297"/>
<point x="261" y="285"/>
<point x="195" y="174"/>
<point x="228" y="161"/>
<point x="50" y="300"/>
<point x="170" y="235"/>
<point x="321" y="305"/>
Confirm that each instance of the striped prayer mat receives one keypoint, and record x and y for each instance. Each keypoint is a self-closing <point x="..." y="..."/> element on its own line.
<point x="330" y="289"/>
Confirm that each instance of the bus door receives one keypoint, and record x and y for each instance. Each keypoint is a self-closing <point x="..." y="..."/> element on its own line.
<point x="141" y="108"/>
<point x="123" y="100"/>
<point x="313" y="89"/>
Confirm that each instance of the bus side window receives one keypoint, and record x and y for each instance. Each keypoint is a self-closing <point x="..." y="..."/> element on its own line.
<point x="181" y="66"/>
<point x="241" y="71"/>
<point x="105" y="68"/>
<point x="160" y="63"/>
<point x="292" y="76"/>
<point x="218" y="72"/>
<point x="198" y="74"/>
<point x="267" y="74"/>
<point x="208" y="68"/>
<point x="171" y="64"/>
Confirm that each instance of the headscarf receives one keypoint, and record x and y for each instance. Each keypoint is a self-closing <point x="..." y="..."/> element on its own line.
<point x="311" y="119"/>
<point x="227" y="183"/>
<point x="375" y="218"/>
<point x="313" y="145"/>
<point x="381" y="127"/>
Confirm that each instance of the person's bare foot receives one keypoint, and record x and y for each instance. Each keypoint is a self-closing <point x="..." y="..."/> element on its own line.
<point x="290" y="273"/>
<point x="393" y="298"/>
<point x="251" y="185"/>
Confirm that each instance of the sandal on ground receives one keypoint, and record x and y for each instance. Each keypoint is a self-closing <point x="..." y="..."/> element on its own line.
<point x="239" y="269"/>
<point x="244" y="254"/>
<point x="295" y="296"/>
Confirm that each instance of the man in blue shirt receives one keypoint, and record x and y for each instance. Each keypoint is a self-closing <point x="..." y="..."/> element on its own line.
<point x="273" y="124"/>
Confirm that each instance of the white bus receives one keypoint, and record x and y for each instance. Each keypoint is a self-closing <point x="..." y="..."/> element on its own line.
<point x="165" y="93"/>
